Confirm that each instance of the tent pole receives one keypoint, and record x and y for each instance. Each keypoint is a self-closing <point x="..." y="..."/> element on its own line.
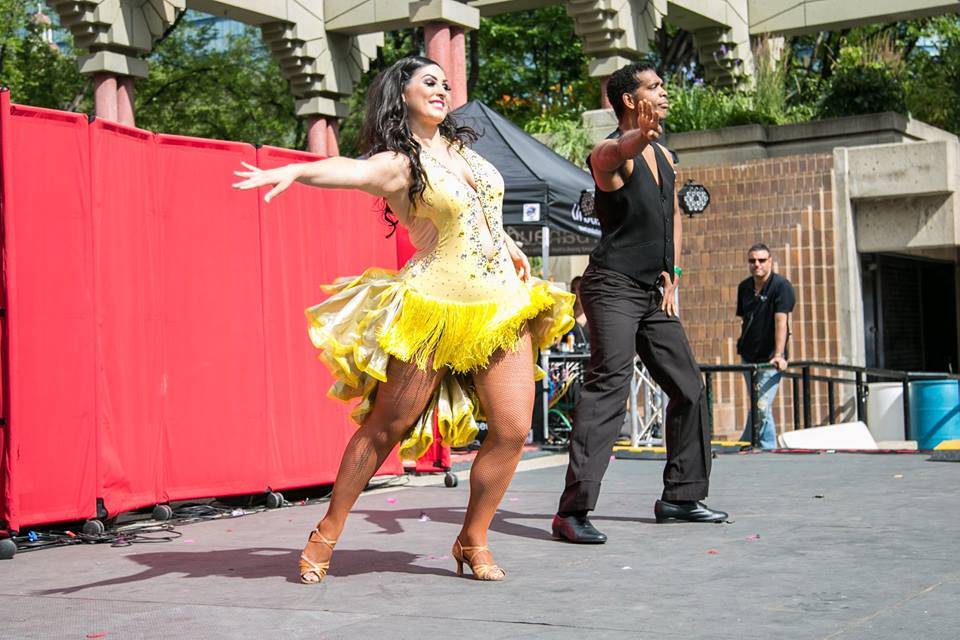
<point x="545" y="251"/>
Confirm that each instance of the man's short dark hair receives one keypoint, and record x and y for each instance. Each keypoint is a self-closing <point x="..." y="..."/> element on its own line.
<point x="760" y="247"/>
<point x="624" y="80"/>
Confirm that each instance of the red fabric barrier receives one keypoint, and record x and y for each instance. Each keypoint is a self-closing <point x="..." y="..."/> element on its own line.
<point x="405" y="248"/>
<point x="49" y="444"/>
<point x="130" y="316"/>
<point x="155" y="345"/>
<point x="310" y="237"/>
<point x="213" y="386"/>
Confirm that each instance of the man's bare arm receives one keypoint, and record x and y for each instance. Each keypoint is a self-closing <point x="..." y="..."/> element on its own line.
<point x="780" y="334"/>
<point x="609" y="155"/>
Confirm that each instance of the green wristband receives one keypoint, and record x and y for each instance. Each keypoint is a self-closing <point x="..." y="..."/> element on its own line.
<point x="678" y="270"/>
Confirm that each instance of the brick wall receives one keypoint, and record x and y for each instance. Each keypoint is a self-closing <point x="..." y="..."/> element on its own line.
<point x="785" y="203"/>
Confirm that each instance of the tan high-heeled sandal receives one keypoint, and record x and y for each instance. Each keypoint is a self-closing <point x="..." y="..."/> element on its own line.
<point x="310" y="568"/>
<point x="481" y="571"/>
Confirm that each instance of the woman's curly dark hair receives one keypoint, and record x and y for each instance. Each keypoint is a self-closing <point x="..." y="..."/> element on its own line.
<point x="386" y="126"/>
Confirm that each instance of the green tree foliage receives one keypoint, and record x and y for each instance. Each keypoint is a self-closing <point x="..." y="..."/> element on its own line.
<point x="911" y="66"/>
<point x="229" y="89"/>
<point x="565" y="135"/>
<point x="933" y="73"/>
<point x="530" y="64"/>
<point x="866" y="79"/>
<point x="36" y="71"/>
<point x="696" y="106"/>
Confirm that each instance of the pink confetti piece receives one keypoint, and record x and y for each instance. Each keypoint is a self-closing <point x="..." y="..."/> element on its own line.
<point x="713" y="552"/>
<point x="754" y="536"/>
<point x="514" y="499"/>
<point x="612" y="458"/>
<point x="97" y="635"/>
<point x="188" y="542"/>
<point x="391" y="500"/>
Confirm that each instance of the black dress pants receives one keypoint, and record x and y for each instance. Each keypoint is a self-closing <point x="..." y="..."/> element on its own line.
<point x="625" y="318"/>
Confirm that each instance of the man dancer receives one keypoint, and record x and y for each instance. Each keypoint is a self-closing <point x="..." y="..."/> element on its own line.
<point x="627" y="293"/>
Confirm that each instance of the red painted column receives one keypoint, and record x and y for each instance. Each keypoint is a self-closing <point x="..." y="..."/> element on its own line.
<point x="317" y="135"/>
<point x="333" y="137"/>
<point x="604" y="101"/>
<point x="105" y="96"/>
<point x="457" y="71"/>
<point x="126" y="90"/>
<point x="436" y="38"/>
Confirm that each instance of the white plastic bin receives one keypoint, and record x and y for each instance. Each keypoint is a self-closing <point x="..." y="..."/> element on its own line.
<point x="885" y="410"/>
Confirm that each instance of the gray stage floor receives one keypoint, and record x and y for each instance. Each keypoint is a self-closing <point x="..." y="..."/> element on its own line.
<point x="822" y="546"/>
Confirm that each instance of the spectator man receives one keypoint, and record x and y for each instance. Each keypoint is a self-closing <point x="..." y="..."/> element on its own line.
<point x="764" y="303"/>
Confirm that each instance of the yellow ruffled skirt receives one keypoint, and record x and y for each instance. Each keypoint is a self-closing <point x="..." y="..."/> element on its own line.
<point x="376" y="316"/>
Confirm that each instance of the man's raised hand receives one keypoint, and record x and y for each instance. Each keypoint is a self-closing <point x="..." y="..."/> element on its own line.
<point x="648" y="120"/>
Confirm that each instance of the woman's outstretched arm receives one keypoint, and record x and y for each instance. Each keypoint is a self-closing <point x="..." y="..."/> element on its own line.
<point x="385" y="175"/>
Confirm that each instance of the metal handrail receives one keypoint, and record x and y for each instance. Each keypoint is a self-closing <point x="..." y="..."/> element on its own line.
<point x="799" y="372"/>
<point x="806" y="379"/>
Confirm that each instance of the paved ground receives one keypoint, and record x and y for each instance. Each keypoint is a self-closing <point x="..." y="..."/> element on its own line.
<point x="849" y="547"/>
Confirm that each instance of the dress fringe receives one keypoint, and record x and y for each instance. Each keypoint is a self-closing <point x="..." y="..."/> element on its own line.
<point x="370" y="318"/>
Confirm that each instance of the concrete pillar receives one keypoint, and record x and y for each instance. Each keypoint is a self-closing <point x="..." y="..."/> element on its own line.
<point x="604" y="100"/>
<point x="333" y="137"/>
<point x="457" y="71"/>
<point x="105" y="96"/>
<point x="323" y="135"/>
<point x="126" y="90"/>
<point x="317" y="135"/>
<point x="436" y="39"/>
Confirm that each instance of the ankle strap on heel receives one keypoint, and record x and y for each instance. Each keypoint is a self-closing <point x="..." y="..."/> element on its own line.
<point x="320" y="538"/>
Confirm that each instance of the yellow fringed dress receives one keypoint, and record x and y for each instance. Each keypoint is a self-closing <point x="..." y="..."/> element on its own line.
<point x="454" y="304"/>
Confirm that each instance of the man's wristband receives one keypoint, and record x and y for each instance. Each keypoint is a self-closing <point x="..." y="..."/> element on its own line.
<point x="678" y="270"/>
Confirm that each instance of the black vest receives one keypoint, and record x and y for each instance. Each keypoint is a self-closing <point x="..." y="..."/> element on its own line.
<point x="636" y="222"/>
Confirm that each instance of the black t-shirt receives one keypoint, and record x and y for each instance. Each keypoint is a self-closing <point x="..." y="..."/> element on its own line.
<point x="757" y="334"/>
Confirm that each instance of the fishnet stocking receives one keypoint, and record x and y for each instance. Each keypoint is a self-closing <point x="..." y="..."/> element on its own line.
<point x="506" y="393"/>
<point x="398" y="403"/>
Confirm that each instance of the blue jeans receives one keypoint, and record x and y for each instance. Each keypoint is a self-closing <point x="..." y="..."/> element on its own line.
<point x="769" y="381"/>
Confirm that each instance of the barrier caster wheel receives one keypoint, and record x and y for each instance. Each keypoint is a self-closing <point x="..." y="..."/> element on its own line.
<point x="93" y="528"/>
<point x="8" y="549"/>
<point x="274" y="500"/>
<point x="162" y="512"/>
<point x="450" y="480"/>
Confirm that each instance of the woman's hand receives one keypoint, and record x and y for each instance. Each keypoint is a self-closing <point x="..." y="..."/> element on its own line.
<point x="520" y="262"/>
<point x="280" y="178"/>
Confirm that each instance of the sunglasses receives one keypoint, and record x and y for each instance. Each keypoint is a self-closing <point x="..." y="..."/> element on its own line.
<point x="757" y="260"/>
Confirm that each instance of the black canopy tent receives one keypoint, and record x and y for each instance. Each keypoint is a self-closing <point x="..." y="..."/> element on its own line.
<point x="541" y="204"/>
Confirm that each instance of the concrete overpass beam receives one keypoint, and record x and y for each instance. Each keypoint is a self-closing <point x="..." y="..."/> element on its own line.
<point x="791" y="17"/>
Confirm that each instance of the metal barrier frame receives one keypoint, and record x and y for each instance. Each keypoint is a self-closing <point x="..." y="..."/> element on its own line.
<point x="799" y="373"/>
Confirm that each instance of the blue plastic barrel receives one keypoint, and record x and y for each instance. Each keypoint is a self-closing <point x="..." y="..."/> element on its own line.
<point x="934" y="412"/>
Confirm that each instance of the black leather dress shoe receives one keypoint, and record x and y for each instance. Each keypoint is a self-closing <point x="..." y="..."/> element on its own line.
<point x="577" y="529"/>
<point x="687" y="511"/>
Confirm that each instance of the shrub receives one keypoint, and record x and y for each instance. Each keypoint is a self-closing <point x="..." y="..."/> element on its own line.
<point x="566" y="137"/>
<point x="866" y="79"/>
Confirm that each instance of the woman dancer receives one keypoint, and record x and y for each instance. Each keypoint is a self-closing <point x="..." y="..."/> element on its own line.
<point x="452" y="334"/>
